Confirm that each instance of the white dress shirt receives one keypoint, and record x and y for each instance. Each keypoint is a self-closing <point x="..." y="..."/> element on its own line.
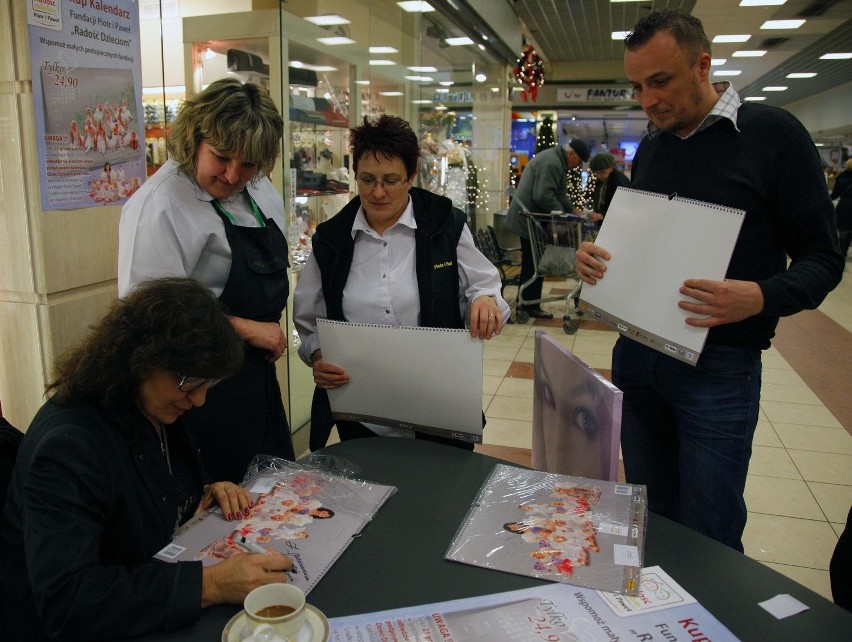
<point x="169" y="228"/>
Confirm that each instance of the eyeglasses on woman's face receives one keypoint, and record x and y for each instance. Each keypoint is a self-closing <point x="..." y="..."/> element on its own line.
<point x="188" y="384"/>
<point x="368" y="182"/>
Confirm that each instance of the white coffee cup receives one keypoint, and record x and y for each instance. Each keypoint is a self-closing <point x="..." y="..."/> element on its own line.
<point x="282" y="606"/>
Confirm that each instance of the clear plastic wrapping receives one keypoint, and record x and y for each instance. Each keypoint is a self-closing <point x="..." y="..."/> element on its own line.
<point x="309" y="511"/>
<point x="556" y="527"/>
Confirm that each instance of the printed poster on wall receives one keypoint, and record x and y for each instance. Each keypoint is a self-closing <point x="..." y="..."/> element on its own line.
<point x="87" y="91"/>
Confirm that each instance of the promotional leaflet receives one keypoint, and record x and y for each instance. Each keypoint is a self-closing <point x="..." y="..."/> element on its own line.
<point x="661" y="610"/>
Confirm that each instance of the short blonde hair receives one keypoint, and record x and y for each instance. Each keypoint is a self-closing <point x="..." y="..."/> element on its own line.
<point x="849" y="164"/>
<point x="232" y="117"/>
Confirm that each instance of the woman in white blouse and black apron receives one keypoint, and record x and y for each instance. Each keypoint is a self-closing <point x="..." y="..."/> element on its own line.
<point x="211" y="213"/>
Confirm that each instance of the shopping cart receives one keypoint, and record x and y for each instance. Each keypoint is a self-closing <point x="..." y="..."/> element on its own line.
<point x="554" y="239"/>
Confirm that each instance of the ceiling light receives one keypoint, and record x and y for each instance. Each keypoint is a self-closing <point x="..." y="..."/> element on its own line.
<point x="179" y="89"/>
<point x="481" y="77"/>
<point x="390" y="93"/>
<point x="414" y="6"/>
<point x="420" y="78"/>
<point x="620" y="35"/>
<point x="802" y="74"/>
<point x="747" y="53"/>
<point x="753" y="98"/>
<point x="730" y="72"/>
<point x="774" y="89"/>
<point x="421" y="102"/>
<point x="761" y="3"/>
<point x="782" y="24"/>
<point x="495" y="89"/>
<point x="836" y="56"/>
<point x="455" y="42"/>
<point x="382" y="63"/>
<point x="423" y="69"/>
<point x="446" y="83"/>
<point x="442" y="90"/>
<point x="362" y="82"/>
<point x="718" y="62"/>
<point x="481" y="46"/>
<point x="327" y="20"/>
<point x="383" y="50"/>
<point x="336" y="40"/>
<point x="732" y="38"/>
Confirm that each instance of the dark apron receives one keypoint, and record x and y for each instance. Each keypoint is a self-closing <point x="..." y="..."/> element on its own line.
<point x="244" y="415"/>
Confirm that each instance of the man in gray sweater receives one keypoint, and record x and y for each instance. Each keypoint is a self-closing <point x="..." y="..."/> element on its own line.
<point x="543" y="188"/>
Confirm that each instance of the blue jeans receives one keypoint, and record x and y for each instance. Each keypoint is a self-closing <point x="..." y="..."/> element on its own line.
<point x="686" y="433"/>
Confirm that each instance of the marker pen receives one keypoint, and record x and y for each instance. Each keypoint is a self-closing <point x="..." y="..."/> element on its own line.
<point x="247" y="545"/>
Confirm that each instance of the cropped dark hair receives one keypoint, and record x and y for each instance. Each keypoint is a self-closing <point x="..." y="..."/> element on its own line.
<point x="173" y="324"/>
<point x="387" y="137"/>
<point x="232" y="117"/>
<point x="687" y="31"/>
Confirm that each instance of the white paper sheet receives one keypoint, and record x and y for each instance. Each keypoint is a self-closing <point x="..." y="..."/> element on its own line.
<point x="424" y="379"/>
<point x="656" y="243"/>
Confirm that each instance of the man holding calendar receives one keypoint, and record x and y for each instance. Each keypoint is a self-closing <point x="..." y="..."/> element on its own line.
<point x="687" y="430"/>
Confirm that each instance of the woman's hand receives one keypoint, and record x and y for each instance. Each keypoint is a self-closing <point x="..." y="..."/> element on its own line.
<point x="266" y="335"/>
<point x="235" y="501"/>
<point x="589" y="267"/>
<point x="229" y="581"/>
<point x="486" y="320"/>
<point x="327" y="375"/>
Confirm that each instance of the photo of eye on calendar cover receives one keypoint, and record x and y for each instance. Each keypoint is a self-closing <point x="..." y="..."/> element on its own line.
<point x="662" y="610"/>
<point x="566" y="529"/>
<point x="302" y="511"/>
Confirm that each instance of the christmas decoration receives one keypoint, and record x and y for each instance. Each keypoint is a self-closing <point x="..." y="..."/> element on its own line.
<point x="529" y="73"/>
<point x="545" y="139"/>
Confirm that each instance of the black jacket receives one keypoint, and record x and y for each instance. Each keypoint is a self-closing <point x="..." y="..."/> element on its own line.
<point x="91" y="501"/>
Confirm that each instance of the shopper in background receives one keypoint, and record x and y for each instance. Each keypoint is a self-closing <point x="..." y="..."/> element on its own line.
<point x="376" y="262"/>
<point x="607" y="180"/>
<point x="107" y="471"/>
<point x="842" y="194"/>
<point x="543" y="188"/>
<point x="211" y="213"/>
<point x="687" y="430"/>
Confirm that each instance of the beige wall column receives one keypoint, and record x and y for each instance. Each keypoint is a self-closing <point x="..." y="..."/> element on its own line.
<point x="58" y="267"/>
<point x="492" y="118"/>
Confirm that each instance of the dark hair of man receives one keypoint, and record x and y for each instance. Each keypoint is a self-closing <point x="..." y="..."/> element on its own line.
<point x="232" y="117"/>
<point x="173" y="324"/>
<point x="687" y="31"/>
<point x="386" y="137"/>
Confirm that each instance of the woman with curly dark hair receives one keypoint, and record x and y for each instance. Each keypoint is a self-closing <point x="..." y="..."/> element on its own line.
<point x="107" y="472"/>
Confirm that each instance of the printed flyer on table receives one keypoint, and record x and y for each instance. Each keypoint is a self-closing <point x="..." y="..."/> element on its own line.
<point x="550" y="613"/>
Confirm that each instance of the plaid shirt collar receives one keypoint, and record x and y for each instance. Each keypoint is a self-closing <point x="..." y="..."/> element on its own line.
<point x="726" y="107"/>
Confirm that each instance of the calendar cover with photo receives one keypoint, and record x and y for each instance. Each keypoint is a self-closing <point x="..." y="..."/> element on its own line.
<point x="304" y="512"/>
<point x="566" y="529"/>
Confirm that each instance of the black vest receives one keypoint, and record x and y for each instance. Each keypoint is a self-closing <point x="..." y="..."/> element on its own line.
<point x="439" y="227"/>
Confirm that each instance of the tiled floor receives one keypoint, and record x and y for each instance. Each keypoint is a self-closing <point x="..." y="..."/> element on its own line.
<point x="799" y="487"/>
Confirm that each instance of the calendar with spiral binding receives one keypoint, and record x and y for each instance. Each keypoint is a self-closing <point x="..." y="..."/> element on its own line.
<point x="421" y="379"/>
<point x="307" y="511"/>
<point x="562" y="528"/>
<point x="656" y="242"/>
